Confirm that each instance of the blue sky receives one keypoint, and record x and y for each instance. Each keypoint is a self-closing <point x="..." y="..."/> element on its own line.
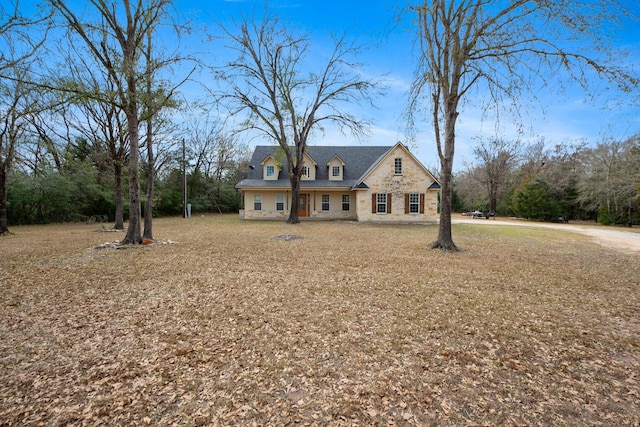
<point x="558" y="117"/>
<point x="388" y="51"/>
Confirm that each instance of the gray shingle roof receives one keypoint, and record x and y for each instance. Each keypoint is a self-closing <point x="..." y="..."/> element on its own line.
<point x="357" y="161"/>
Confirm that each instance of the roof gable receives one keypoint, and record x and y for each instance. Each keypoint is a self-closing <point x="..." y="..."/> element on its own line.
<point x="266" y="159"/>
<point x="310" y="158"/>
<point x="388" y="153"/>
<point x="339" y="160"/>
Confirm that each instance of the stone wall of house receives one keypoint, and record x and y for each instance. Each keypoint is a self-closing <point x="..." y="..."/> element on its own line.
<point x="383" y="180"/>
<point x="335" y="205"/>
<point x="268" y="208"/>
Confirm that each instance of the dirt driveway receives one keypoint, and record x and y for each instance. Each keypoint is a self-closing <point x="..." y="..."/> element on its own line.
<point x="625" y="241"/>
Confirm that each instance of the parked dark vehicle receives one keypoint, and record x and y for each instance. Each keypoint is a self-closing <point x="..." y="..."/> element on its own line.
<point x="490" y="215"/>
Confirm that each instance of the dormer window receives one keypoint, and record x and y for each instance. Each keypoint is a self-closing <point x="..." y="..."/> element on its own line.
<point x="270" y="168"/>
<point x="309" y="168"/>
<point x="397" y="166"/>
<point x="335" y="169"/>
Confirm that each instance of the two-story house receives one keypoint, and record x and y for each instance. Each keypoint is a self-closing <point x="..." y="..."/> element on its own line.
<point x="363" y="183"/>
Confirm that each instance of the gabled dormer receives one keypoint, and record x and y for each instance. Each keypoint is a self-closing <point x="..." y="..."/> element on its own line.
<point x="270" y="169"/>
<point x="308" y="168"/>
<point x="335" y="169"/>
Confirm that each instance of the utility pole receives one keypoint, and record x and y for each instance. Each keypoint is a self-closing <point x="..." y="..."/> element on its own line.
<point x="184" y="180"/>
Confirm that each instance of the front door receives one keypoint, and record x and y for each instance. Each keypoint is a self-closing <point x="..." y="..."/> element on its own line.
<point x="303" y="205"/>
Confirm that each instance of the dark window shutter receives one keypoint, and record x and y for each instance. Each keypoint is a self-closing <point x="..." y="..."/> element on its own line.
<point x="406" y="203"/>
<point x="421" y="203"/>
<point x="388" y="202"/>
<point x="374" y="200"/>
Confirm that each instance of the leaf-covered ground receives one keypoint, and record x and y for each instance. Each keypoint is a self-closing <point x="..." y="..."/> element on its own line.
<point x="352" y="324"/>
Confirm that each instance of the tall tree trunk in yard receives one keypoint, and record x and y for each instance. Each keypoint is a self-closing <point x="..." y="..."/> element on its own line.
<point x="294" y="216"/>
<point x="134" y="235"/>
<point x="493" y="198"/>
<point x="148" y="207"/>
<point x="119" y="201"/>
<point x="134" y="232"/>
<point x="445" y="236"/>
<point x="3" y="202"/>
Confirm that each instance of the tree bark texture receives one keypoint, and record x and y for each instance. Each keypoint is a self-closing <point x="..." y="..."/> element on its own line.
<point x="148" y="207"/>
<point x="294" y="215"/>
<point x="134" y="235"/>
<point x="445" y="236"/>
<point x="119" y="201"/>
<point x="3" y="202"/>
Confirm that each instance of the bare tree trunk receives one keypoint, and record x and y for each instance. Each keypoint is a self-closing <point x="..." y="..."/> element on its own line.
<point x="294" y="216"/>
<point x="445" y="237"/>
<point x="493" y="196"/>
<point x="134" y="235"/>
<point x="117" y="173"/>
<point x="148" y="207"/>
<point x="3" y="202"/>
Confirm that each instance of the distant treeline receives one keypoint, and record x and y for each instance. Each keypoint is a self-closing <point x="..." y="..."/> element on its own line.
<point x="80" y="187"/>
<point x="565" y="182"/>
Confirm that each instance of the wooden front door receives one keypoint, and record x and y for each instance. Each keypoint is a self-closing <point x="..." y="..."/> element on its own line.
<point x="303" y="205"/>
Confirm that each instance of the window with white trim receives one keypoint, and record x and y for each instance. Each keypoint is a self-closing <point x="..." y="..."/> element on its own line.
<point x="397" y="166"/>
<point x="346" y="202"/>
<point x="335" y="170"/>
<point x="414" y="203"/>
<point x="271" y="170"/>
<point x="257" y="202"/>
<point x="325" y="202"/>
<point x="306" y="172"/>
<point x="279" y="202"/>
<point x="381" y="203"/>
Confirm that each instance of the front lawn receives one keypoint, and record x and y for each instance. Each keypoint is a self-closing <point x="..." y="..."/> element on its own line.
<point x="352" y="324"/>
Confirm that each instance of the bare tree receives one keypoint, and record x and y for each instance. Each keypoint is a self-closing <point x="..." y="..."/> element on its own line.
<point x="470" y="191"/>
<point x="497" y="158"/>
<point x="117" y="46"/>
<point x="610" y="178"/>
<point x="214" y="150"/>
<point x="120" y="44"/>
<point x="21" y="36"/>
<point x="285" y="102"/>
<point x="98" y="119"/>
<point x="501" y="47"/>
<point x="16" y="106"/>
<point x="105" y="126"/>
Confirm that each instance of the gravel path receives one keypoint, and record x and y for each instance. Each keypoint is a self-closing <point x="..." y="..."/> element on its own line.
<point x="612" y="238"/>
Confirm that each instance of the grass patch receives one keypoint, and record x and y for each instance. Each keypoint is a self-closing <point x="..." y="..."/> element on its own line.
<point x="352" y="324"/>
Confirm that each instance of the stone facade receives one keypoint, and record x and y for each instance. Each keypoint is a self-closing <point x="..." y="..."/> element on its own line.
<point x="383" y="180"/>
